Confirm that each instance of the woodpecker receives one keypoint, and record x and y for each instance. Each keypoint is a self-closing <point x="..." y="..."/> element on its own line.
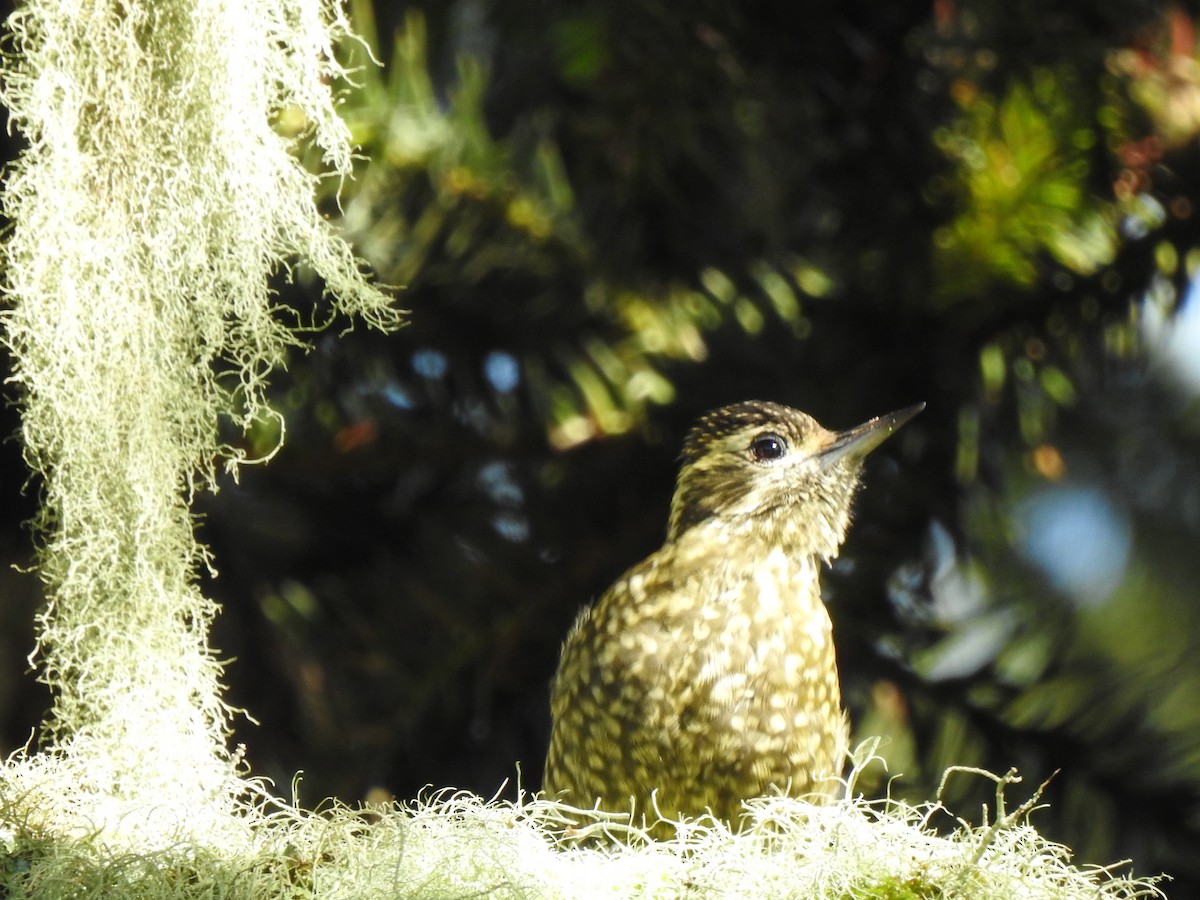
<point x="706" y="674"/>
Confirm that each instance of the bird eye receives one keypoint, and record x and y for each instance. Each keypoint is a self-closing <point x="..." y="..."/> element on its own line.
<point x="767" y="447"/>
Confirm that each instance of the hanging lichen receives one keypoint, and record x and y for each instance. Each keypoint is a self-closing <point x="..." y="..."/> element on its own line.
<point x="150" y="208"/>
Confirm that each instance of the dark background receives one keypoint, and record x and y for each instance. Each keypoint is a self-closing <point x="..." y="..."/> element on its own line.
<point x="610" y="217"/>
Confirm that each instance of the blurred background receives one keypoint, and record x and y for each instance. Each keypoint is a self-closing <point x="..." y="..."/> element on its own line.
<point x="609" y="217"/>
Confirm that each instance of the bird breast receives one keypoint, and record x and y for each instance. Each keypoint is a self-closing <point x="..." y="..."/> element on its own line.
<point x="706" y="674"/>
<point x="743" y="637"/>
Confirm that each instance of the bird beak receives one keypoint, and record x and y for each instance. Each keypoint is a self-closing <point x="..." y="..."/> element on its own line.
<point x="858" y="442"/>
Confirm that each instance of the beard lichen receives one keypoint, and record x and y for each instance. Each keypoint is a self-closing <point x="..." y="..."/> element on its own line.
<point x="150" y="208"/>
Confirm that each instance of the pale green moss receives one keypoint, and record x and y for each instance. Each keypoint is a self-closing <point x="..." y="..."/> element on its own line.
<point x="458" y="845"/>
<point x="152" y="205"/>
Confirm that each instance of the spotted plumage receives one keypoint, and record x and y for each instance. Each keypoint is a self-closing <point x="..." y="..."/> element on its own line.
<point x="706" y="674"/>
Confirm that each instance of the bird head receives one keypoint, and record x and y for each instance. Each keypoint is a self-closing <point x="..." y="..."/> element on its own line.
<point x="767" y="470"/>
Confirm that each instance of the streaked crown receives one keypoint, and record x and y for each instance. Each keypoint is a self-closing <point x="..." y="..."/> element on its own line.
<point x="771" y="468"/>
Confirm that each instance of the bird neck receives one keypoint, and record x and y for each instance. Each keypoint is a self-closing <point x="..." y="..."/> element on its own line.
<point x="754" y="578"/>
<point x="746" y="544"/>
<point x="815" y="536"/>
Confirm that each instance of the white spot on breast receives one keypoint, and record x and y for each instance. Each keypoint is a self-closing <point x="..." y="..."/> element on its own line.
<point x="793" y="666"/>
<point x="728" y="689"/>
